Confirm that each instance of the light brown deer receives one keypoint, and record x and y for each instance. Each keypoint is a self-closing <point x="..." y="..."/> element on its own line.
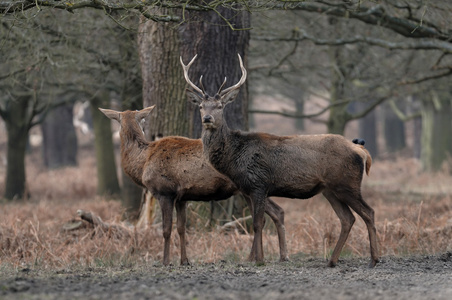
<point x="299" y="166"/>
<point x="174" y="170"/>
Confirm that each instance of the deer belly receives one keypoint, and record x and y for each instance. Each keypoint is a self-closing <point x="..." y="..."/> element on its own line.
<point x="302" y="192"/>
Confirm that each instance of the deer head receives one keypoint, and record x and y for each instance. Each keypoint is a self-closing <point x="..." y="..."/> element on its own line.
<point x="211" y="108"/>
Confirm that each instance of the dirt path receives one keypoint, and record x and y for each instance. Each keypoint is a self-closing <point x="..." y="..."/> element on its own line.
<point x="420" y="277"/>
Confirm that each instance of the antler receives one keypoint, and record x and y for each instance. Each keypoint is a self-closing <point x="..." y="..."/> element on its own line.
<point x="241" y="81"/>
<point x="186" y="68"/>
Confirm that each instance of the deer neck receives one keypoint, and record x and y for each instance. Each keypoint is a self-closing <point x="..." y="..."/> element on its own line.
<point x="133" y="152"/>
<point x="215" y="146"/>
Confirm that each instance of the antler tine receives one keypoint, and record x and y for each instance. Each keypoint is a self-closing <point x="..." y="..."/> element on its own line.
<point x="241" y="81"/>
<point x="222" y="85"/>
<point x="202" y="86"/>
<point x="186" y="68"/>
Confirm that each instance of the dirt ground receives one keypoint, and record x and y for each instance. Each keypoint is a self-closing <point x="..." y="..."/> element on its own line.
<point x="418" y="277"/>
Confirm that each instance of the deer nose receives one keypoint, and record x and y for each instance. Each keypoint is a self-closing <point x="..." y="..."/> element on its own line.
<point x="207" y="119"/>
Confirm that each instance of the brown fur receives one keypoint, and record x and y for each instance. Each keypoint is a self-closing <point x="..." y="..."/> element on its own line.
<point x="263" y="165"/>
<point x="174" y="170"/>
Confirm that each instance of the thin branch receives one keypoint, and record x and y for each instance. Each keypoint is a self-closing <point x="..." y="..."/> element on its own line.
<point x="286" y="57"/>
<point x="295" y="115"/>
<point x="368" y="109"/>
<point x="374" y="15"/>
<point x="400" y="114"/>
<point x="426" y="78"/>
<point x="23" y="70"/>
<point x="418" y="44"/>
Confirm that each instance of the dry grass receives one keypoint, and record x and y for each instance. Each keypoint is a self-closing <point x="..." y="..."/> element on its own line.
<point x="413" y="215"/>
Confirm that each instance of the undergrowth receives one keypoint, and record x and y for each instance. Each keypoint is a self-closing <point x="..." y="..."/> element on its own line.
<point x="413" y="216"/>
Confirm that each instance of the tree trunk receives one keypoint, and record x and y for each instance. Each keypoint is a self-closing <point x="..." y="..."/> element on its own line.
<point x="105" y="158"/>
<point x="299" y="105"/>
<point x="368" y="130"/>
<point x="339" y="115"/>
<point x="59" y="138"/>
<point x="417" y="132"/>
<point x="163" y="80"/>
<point x="394" y="130"/>
<point x="17" y="125"/>
<point x="131" y="193"/>
<point x="217" y="59"/>
<point x="436" y="132"/>
<point x="160" y="47"/>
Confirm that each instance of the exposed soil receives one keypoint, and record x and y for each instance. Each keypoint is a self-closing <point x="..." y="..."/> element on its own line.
<point x="419" y="277"/>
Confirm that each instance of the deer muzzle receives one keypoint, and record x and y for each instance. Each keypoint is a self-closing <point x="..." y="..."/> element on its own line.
<point x="207" y="121"/>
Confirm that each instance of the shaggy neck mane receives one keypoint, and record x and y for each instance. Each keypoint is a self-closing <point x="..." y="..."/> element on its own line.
<point x="215" y="143"/>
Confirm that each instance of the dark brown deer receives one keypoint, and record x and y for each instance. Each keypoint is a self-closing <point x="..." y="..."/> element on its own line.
<point x="298" y="166"/>
<point x="174" y="170"/>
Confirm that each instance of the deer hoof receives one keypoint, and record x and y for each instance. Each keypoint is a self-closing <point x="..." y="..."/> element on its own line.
<point x="331" y="264"/>
<point x="373" y="263"/>
<point x="284" y="258"/>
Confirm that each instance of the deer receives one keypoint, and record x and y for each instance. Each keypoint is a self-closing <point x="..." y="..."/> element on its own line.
<point x="262" y="165"/>
<point x="174" y="170"/>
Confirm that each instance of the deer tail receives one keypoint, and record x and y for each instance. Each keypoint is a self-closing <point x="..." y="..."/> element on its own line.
<point x="367" y="158"/>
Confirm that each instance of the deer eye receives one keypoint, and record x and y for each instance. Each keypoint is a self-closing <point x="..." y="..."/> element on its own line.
<point x="200" y="106"/>
<point x="220" y="105"/>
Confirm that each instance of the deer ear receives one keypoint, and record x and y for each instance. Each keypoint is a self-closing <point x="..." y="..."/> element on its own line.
<point x="112" y="114"/>
<point x="229" y="96"/>
<point x="144" y="113"/>
<point x="194" y="97"/>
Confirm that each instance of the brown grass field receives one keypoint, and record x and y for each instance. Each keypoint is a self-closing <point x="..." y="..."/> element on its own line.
<point x="413" y="216"/>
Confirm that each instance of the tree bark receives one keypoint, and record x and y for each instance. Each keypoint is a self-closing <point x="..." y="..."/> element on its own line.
<point x="163" y="80"/>
<point x="105" y="158"/>
<point x="217" y="59"/>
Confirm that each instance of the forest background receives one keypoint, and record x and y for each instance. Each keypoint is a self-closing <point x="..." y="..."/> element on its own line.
<point x="375" y="70"/>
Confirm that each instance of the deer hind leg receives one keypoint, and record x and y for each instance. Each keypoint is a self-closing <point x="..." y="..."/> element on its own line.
<point x="276" y="213"/>
<point x="347" y="220"/>
<point x="166" y="204"/>
<point x="181" y="221"/>
<point x="367" y="214"/>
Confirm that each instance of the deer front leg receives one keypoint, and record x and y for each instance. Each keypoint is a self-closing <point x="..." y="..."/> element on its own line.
<point x="166" y="204"/>
<point x="259" y="203"/>
<point x="252" y="256"/>
<point x="181" y="220"/>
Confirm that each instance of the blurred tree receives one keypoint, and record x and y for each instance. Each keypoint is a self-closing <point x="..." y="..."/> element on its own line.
<point x="393" y="129"/>
<point x="48" y="63"/>
<point x="436" y="130"/>
<point x="368" y="130"/>
<point x="21" y="109"/>
<point x="105" y="159"/>
<point x="59" y="143"/>
<point x="131" y="99"/>
<point x="18" y="116"/>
